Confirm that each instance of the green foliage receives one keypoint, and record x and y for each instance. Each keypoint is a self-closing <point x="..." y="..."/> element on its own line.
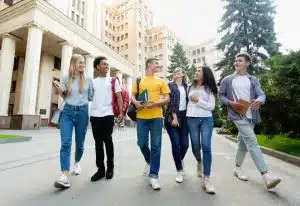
<point x="248" y="25"/>
<point x="178" y="59"/>
<point x="281" y="83"/>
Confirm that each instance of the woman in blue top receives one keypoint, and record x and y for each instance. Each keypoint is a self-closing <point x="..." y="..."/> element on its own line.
<point x="176" y="122"/>
<point x="77" y="91"/>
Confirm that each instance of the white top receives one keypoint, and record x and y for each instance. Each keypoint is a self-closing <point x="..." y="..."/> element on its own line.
<point x="182" y="102"/>
<point x="204" y="106"/>
<point x="241" y="86"/>
<point x="102" y="100"/>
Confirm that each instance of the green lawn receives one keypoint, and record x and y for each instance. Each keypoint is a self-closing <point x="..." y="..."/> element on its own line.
<point x="280" y="143"/>
<point x="6" y="136"/>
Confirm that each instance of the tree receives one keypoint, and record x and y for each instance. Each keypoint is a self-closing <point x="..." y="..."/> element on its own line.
<point x="281" y="83"/>
<point x="248" y="26"/>
<point x="178" y="59"/>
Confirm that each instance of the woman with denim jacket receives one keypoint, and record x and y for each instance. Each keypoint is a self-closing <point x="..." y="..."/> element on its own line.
<point x="175" y="120"/>
<point x="77" y="91"/>
<point x="200" y="121"/>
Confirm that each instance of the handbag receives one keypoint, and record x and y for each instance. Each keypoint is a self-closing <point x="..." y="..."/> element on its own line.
<point x="56" y="116"/>
<point x="132" y="108"/>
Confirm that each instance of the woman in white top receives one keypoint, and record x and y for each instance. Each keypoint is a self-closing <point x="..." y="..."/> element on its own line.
<point x="200" y="121"/>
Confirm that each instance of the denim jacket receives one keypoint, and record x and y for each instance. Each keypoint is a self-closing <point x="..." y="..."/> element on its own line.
<point x="226" y="95"/>
<point x="175" y="96"/>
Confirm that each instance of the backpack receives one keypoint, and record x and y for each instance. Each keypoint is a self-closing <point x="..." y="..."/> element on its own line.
<point x="125" y="98"/>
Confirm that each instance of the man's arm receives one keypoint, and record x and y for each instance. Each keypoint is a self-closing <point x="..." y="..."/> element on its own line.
<point x="120" y="102"/>
<point x="260" y="94"/>
<point x="223" y="93"/>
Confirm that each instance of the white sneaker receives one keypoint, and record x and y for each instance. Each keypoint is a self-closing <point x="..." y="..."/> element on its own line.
<point x="77" y="169"/>
<point x="154" y="184"/>
<point x="199" y="169"/>
<point x="271" y="181"/>
<point x="207" y="186"/>
<point x="146" y="169"/>
<point x="179" y="177"/>
<point x="240" y="174"/>
<point x="63" y="182"/>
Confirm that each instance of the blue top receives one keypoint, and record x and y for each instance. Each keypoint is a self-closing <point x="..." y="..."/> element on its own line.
<point x="226" y="95"/>
<point x="77" y="98"/>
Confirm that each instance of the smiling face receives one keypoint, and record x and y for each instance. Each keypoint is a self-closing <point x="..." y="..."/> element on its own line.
<point x="178" y="73"/>
<point x="79" y="65"/>
<point x="103" y="67"/>
<point x="198" y="76"/>
<point x="240" y="64"/>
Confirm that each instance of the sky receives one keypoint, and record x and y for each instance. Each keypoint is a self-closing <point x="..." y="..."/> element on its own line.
<point x="195" y="21"/>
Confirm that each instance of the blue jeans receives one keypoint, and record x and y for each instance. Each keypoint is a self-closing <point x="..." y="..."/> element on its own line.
<point x="152" y="157"/>
<point x="72" y="116"/>
<point x="179" y="139"/>
<point x="247" y="142"/>
<point x="200" y="129"/>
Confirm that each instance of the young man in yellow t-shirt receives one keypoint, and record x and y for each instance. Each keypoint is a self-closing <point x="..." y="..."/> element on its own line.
<point x="150" y="118"/>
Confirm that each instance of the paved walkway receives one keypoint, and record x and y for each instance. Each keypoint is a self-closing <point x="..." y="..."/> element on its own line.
<point x="28" y="170"/>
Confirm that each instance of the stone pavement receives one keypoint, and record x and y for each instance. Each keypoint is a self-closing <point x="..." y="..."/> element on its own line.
<point x="28" y="170"/>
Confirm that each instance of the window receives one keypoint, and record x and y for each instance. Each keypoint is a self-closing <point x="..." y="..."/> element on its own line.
<point x="203" y="49"/>
<point x="140" y="45"/>
<point x="82" y="8"/>
<point x="113" y="38"/>
<point x="160" y="46"/>
<point x="155" y="48"/>
<point x="145" y="49"/>
<point x="140" y="24"/>
<point x="118" y="39"/>
<point x="160" y="57"/>
<point x="203" y="60"/>
<point x="114" y="28"/>
<point x="150" y="39"/>
<point x="126" y="36"/>
<point x="126" y="25"/>
<point x="57" y="63"/>
<point x="151" y="49"/>
<point x="110" y="25"/>
<point x="73" y="3"/>
<point x="106" y="33"/>
<point x="199" y="60"/>
<point x="118" y="49"/>
<point x="126" y="56"/>
<point x="194" y="61"/>
<point x="73" y="15"/>
<point x="122" y="37"/>
<point x="106" y="23"/>
<point x="77" y="19"/>
<point x="198" y="51"/>
<point x="140" y="57"/>
<point x="82" y="22"/>
<point x="126" y="46"/>
<point x="140" y="34"/>
<point x="155" y="37"/>
<point x="194" y="52"/>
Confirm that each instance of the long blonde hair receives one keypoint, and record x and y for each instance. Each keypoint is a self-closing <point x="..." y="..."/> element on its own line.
<point x="184" y="78"/>
<point x="71" y="75"/>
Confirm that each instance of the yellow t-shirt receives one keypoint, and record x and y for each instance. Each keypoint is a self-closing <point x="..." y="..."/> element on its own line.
<point x="155" y="87"/>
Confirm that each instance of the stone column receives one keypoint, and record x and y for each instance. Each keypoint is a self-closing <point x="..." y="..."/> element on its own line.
<point x="89" y="65"/>
<point x="31" y="71"/>
<point x="66" y="55"/>
<point x="6" y="70"/>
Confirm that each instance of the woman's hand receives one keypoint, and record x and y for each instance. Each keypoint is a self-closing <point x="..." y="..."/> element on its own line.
<point x="194" y="98"/>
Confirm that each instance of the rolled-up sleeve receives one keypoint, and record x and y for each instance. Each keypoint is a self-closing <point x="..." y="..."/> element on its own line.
<point x="208" y="105"/>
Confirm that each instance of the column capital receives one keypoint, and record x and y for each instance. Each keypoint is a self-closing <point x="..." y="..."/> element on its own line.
<point x="66" y="43"/>
<point x="9" y="36"/>
<point x="35" y="25"/>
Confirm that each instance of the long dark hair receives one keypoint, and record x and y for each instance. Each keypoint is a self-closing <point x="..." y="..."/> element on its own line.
<point x="209" y="81"/>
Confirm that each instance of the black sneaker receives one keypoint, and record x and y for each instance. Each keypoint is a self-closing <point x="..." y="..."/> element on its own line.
<point x="98" y="175"/>
<point x="110" y="173"/>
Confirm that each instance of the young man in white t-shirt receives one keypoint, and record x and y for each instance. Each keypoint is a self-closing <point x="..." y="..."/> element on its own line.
<point x="102" y="118"/>
<point x="242" y="86"/>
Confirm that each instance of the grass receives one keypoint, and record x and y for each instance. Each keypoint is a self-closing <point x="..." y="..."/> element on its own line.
<point x="280" y="143"/>
<point x="7" y="136"/>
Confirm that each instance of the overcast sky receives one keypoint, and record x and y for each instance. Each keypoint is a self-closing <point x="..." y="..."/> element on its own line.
<point x="195" y="21"/>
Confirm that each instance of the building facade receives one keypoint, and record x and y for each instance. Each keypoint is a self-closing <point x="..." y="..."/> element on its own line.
<point x="206" y="53"/>
<point x="125" y="26"/>
<point x="37" y="40"/>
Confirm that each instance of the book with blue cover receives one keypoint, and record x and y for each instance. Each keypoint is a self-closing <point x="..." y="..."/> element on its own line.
<point x="143" y="97"/>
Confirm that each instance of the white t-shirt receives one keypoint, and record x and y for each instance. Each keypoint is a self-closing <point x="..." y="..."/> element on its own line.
<point x="204" y="106"/>
<point x="241" y="86"/>
<point x="102" y="100"/>
<point x="182" y="102"/>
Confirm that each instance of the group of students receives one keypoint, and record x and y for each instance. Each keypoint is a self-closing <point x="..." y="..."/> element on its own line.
<point x="188" y="113"/>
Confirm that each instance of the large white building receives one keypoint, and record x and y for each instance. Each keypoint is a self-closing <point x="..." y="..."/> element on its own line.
<point x="206" y="53"/>
<point x="37" y="40"/>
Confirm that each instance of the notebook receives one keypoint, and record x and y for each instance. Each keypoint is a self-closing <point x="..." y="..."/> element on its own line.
<point x="245" y="105"/>
<point x="143" y="97"/>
